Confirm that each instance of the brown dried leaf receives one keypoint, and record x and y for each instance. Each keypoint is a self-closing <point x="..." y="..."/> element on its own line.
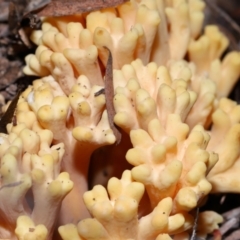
<point x="13" y="19"/>
<point x="70" y="7"/>
<point x="109" y="95"/>
<point x="8" y="115"/>
<point x="36" y="4"/>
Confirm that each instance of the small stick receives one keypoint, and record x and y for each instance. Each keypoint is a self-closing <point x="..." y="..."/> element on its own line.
<point x="217" y="235"/>
<point x="98" y="93"/>
<point x="14" y="120"/>
<point x="14" y="184"/>
<point x="109" y="94"/>
<point x="195" y="224"/>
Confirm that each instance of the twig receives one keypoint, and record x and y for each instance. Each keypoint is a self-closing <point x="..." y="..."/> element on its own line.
<point x="11" y="185"/>
<point x="109" y="95"/>
<point x="195" y="224"/>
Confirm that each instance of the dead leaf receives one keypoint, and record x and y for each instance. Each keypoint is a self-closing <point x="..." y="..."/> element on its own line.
<point x="13" y="19"/>
<point x="71" y="7"/>
<point x="36" y="4"/>
<point x="8" y="115"/>
<point x="14" y="23"/>
<point x="30" y="19"/>
<point x="109" y="95"/>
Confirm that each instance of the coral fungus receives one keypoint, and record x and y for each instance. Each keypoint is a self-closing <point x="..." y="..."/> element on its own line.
<point x="180" y="133"/>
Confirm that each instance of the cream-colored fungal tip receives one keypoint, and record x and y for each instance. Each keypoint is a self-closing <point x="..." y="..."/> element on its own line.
<point x="160" y="221"/>
<point x="87" y="108"/>
<point x="26" y="229"/>
<point x="123" y="76"/>
<point x="34" y="67"/>
<point x="45" y="164"/>
<point x="56" y="152"/>
<point x="208" y="221"/>
<point x="163" y="236"/>
<point x="31" y="141"/>
<point x="163" y="75"/>
<point x="69" y="232"/>
<point x="206" y="91"/>
<point x="178" y="17"/>
<point x="122" y="47"/>
<point x="57" y="111"/>
<point x="186" y="199"/>
<point x="82" y="86"/>
<point x="110" y="32"/>
<point x="226" y="115"/>
<point x="85" y="61"/>
<point x="139" y="109"/>
<point x="83" y="134"/>
<point x="122" y="117"/>
<point x="37" y="176"/>
<point x="125" y="186"/>
<point x="207" y="48"/>
<point x="136" y="156"/>
<point x="180" y="69"/>
<point x="156" y="130"/>
<point x="74" y="30"/>
<point x="225" y="73"/>
<point x="116" y="209"/>
<point x="24" y="114"/>
<point x="5" y="143"/>
<point x="36" y="36"/>
<point x="125" y="209"/>
<point x="63" y="72"/>
<point x="226" y="148"/>
<point x="176" y="127"/>
<point x="92" y="229"/>
<point x="140" y="137"/>
<point x="26" y="117"/>
<point x="170" y="174"/>
<point x="101" y="133"/>
<point x="10" y="174"/>
<point x="14" y="151"/>
<point x="102" y="20"/>
<point x="196" y="8"/>
<point x="196" y="173"/>
<point x="85" y="39"/>
<point x="166" y="100"/>
<point x="66" y="185"/>
<point x="45" y="59"/>
<point x="150" y="27"/>
<point x="55" y="41"/>
<point x="97" y="203"/>
<point x="161" y="213"/>
<point x="15" y="131"/>
<point x="48" y="184"/>
<point x="45" y="135"/>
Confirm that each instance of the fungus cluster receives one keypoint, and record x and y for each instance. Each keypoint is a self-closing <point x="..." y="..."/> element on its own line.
<point x="61" y="171"/>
